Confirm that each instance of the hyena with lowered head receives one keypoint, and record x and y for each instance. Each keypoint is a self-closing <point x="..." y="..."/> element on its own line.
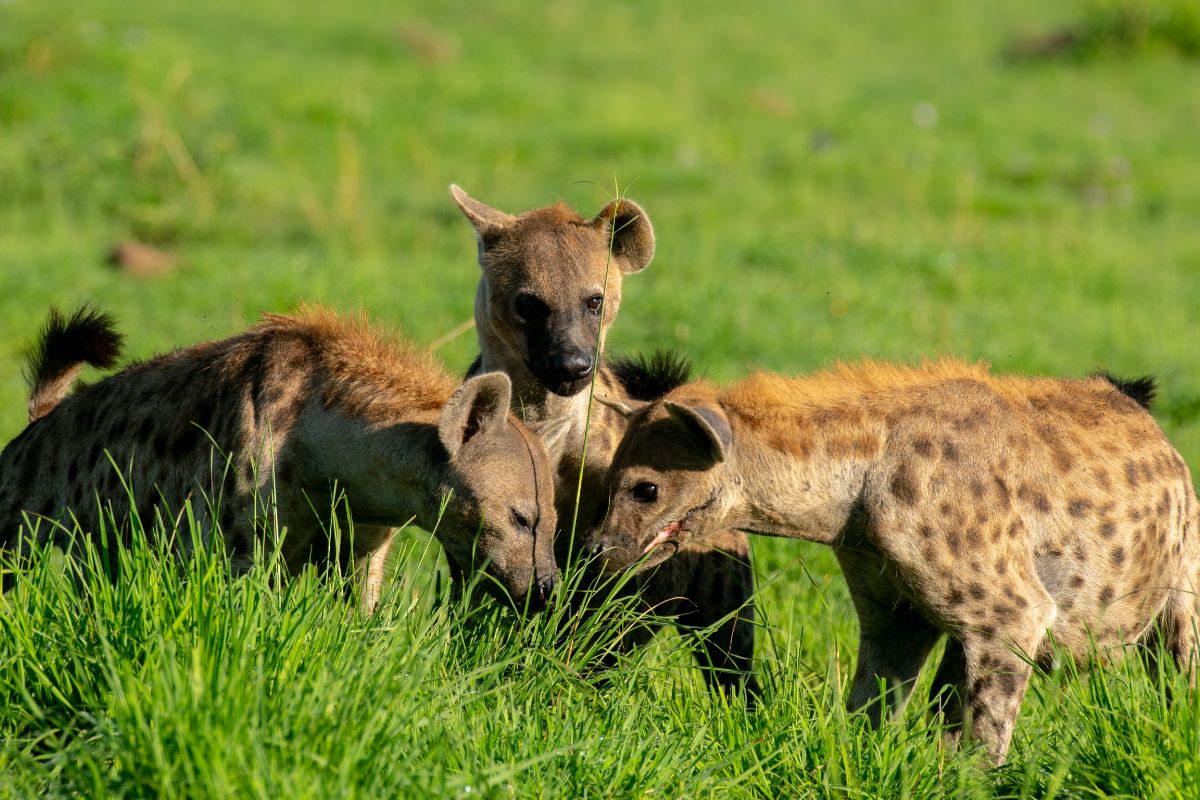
<point x="548" y="291"/>
<point x="992" y="509"/>
<point x="268" y="430"/>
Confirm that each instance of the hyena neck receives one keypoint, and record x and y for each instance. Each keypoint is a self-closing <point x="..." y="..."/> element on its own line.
<point x="370" y="425"/>
<point x="799" y="473"/>
<point x="394" y="471"/>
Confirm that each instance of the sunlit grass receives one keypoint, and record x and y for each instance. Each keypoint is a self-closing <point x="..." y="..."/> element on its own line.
<point x="825" y="180"/>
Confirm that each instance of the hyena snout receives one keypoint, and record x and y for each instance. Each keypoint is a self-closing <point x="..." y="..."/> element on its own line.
<point x="571" y="365"/>
<point x="541" y="593"/>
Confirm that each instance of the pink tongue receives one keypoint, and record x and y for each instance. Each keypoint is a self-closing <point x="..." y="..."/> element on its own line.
<point x="662" y="536"/>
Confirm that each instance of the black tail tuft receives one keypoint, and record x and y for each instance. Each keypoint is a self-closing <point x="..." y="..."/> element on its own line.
<point x="1140" y="390"/>
<point x="65" y="344"/>
<point x="649" y="377"/>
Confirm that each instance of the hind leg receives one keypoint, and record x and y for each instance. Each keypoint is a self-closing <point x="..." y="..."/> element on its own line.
<point x="894" y="639"/>
<point x="1178" y="628"/>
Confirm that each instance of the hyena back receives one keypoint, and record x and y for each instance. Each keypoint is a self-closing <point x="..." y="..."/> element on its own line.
<point x="550" y="286"/>
<point x="993" y="509"/>
<point x="270" y="430"/>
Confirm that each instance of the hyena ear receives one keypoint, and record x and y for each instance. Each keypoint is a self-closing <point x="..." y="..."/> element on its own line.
<point x="480" y="404"/>
<point x="631" y="233"/>
<point x="708" y="427"/>
<point x="488" y="221"/>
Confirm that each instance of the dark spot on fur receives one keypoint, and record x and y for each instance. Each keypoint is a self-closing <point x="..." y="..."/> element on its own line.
<point x="954" y="542"/>
<point x="950" y="451"/>
<point x="1002" y="568"/>
<point x="1034" y="497"/>
<point x="903" y="487"/>
<point x="1078" y="507"/>
<point x="955" y="597"/>
<point x="1108" y="528"/>
<point x="1076" y="580"/>
<point x="1106" y="595"/>
<point x="1118" y="556"/>
<point x="977" y="488"/>
<point x="1002" y="492"/>
<point x="974" y="539"/>
<point x="976" y="591"/>
<point x="925" y="531"/>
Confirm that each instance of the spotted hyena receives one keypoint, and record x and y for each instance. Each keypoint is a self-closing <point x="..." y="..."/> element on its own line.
<point x="550" y="287"/>
<point x="993" y="509"/>
<point x="267" y="431"/>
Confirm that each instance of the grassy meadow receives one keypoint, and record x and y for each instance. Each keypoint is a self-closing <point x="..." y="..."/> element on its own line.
<point x="826" y="180"/>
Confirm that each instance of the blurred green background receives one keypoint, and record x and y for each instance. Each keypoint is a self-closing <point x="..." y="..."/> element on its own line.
<point x="1017" y="182"/>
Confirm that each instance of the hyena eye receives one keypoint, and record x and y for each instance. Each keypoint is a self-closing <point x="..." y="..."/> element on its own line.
<point x="645" y="492"/>
<point x="594" y="303"/>
<point x="529" y="307"/>
<point x="521" y="520"/>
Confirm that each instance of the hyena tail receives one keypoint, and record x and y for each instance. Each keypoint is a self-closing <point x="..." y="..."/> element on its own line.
<point x="65" y="344"/>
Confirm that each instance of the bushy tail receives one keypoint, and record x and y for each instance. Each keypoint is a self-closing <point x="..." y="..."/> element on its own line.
<point x="64" y="346"/>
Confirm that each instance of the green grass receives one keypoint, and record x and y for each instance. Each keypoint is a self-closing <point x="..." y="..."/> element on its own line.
<point x="827" y="180"/>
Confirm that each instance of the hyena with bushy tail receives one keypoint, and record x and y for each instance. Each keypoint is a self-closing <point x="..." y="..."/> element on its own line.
<point x="277" y="430"/>
<point x="994" y="509"/>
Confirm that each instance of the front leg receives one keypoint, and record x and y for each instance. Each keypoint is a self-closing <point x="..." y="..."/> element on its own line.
<point x="894" y="638"/>
<point x="369" y="572"/>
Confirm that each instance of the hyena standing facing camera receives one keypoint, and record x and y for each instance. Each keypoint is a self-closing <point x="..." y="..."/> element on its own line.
<point x="541" y="307"/>
<point x="993" y="509"/>
<point x="265" y="431"/>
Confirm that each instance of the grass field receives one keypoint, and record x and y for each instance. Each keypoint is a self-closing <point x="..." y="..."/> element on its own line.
<point x="826" y="180"/>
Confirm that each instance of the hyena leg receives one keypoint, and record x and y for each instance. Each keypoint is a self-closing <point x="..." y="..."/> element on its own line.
<point x="894" y="638"/>
<point x="948" y="690"/>
<point x="720" y="616"/>
<point x="1177" y="627"/>
<point x="369" y="571"/>
<point x="1000" y="639"/>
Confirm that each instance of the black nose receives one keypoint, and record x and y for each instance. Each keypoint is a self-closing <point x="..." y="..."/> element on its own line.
<point x="573" y="366"/>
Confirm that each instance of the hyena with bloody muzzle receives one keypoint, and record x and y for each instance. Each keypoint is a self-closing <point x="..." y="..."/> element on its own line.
<point x="549" y="290"/>
<point x="992" y="509"/>
<point x="270" y="431"/>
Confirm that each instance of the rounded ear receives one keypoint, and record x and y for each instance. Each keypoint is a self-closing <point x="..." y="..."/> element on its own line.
<point x="487" y="220"/>
<point x="631" y="234"/>
<point x="707" y="426"/>
<point x="479" y="404"/>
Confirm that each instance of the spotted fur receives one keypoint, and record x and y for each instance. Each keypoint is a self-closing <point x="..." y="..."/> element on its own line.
<point x="992" y="508"/>
<point x="265" y="431"/>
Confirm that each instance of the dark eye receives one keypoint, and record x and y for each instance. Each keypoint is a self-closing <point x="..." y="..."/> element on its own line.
<point x="646" y="492"/>
<point x="521" y="520"/>
<point x="594" y="303"/>
<point x="529" y="307"/>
